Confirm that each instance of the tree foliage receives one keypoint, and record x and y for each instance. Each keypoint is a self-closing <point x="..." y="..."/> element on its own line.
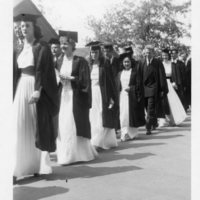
<point x="150" y="21"/>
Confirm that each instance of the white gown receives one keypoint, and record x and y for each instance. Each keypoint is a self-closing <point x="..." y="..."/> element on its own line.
<point x="70" y="147"/>
<point x="102" y="137"/>
<point x="177" y="111"/>
<point x="28" y="158"/>
<point x="124" y="108"/>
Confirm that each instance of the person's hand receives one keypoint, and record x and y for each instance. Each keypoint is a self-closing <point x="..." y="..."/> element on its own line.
<point x="127" y="89"/>
<point x="161" y="94"/>
<point x="111" y="104"/>
<point x="66" y="77"/>
<point x="34" y="97"/>
<point x="175" y="86"/>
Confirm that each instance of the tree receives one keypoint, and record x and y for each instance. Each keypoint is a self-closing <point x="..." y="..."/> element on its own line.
<point x="150" y="21"/>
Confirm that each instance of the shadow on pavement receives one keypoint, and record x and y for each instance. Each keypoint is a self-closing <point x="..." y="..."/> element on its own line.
<point x="114" y="156"/>
<point x="158" y="136"/>
<point x="132" y="144"/>
<point x="84" y="171"/>
<point x="36" y="193"/>
<point x="122" y="145"/>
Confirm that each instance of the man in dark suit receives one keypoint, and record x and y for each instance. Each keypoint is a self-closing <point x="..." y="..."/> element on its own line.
<point x="154" y="85"/>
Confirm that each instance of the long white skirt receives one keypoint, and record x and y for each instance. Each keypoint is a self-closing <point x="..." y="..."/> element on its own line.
<point x="70" y="147"/>
<point x="28" y="159"/>
<point x="124" y="118"/>
<point x="177" y="111"/>
<point x="102" y="137"/>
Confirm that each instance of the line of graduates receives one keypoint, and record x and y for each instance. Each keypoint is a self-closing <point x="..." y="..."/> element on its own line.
<point x="75" y="106"/>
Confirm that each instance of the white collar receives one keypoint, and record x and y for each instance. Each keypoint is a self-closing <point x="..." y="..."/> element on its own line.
<point x="174" y="61"/>
<point x="149" y="61"/>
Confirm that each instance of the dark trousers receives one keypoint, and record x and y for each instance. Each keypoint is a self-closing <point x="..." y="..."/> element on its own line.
<point x="150" y="106"/>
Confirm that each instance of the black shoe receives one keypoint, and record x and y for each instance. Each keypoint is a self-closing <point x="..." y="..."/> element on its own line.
<point x="36" y="175"/>
<point x="14" y="180"/>
<point x="148" y="132"/>
<point x="154" y="127"/>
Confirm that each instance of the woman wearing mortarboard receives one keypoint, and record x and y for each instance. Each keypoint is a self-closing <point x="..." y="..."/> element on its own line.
<point x="131" y="104"/>
<point x="35" y="101"/>
<point x="176" y="113"/>
<point x="74" y="132"/>
<point x="104" y="100"/>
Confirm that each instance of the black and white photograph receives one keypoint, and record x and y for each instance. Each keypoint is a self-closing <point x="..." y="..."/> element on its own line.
<point x="100" y="100"/>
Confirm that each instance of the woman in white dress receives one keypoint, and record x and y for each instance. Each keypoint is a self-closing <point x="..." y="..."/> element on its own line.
<point x="35" y="102"/>
<point x="131" y="102"/>
<point x="74" y="132"/>
<point x="104" y="99"/>
<point x="177" y="113"/>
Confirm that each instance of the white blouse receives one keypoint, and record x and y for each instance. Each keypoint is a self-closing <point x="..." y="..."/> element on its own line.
<point x="66" y="69"/>
<point x="26" y="58"/>
<point x="125" y="78"/>
<point x="168" y="68"/>
<point x="95" y="75"/>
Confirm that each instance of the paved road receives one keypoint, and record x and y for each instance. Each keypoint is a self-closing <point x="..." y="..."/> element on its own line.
<point x="155" y="167"/>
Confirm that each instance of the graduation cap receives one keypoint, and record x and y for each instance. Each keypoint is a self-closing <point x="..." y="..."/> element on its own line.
<point x="54" y="41"/>
<point x="94" y="45"/>
<point x="108" y="45"/>
<point x="128" y="49"/>
<point x="165" y="50"/>
<point x="26" y="17"/>
<point x="124" y="55"/>
<point x="69" y="34"/>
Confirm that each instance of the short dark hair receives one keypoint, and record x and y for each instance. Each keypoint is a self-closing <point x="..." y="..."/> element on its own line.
<point x="54" y="41"/>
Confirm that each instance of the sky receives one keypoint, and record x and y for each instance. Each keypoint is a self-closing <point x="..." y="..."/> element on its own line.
<point x="71" y="15"/>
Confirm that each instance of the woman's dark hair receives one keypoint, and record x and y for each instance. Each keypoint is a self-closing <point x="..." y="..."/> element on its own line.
<point x="101" y="57"/>
<point x="130" y="58"/>
<point x="166" y="50"/>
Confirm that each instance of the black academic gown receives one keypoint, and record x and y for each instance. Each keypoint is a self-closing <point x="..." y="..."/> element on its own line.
<point x="179" y="77"/>
<point x="108" y="92"/>
<point x="136" y="99"/>
<point x="81" y="94"/>
<point x="115" y="67"/>
<point x="162" y="103"/>
<point x="188" y="81"/>
<point x="47" y="106"/>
